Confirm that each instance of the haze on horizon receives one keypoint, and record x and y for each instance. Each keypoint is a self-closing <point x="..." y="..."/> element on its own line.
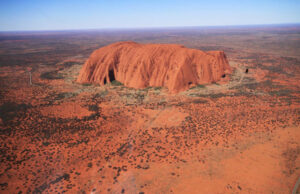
<point x="30" y="15"/>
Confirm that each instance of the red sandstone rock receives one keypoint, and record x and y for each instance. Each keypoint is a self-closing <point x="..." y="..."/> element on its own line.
<point x="142" y="65"/>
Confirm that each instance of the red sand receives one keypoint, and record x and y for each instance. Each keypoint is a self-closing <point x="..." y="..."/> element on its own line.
<point x="242" y="136"/>
<point x="66" y="110"/>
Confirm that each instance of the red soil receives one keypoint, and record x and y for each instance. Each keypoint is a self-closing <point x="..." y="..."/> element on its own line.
<point x="58" y="136"/>
<point x="87" y="139"/>
<point x="142" y="65"/>
<point x="66" y="110"/>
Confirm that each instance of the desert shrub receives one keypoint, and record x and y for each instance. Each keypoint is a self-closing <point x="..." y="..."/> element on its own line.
<point x="199" y="86"/>
<point x="10" y="110"/>
<point x="217" y="95"/>
<point x="196" y="95"/>
<point x="200" y="101"/>
<point x="146" y="89"/>
<point x="140" y="97"/>
<point x="93" y="108"/>
<point x="282" y="92"/>
<point x="93" y="116"/>
<point x="116" y="83"/>
<point x="69" y="63"/>
<point x="157" y="88"/>
<point x="64" y="95"/>
<point x="46" y="143"/>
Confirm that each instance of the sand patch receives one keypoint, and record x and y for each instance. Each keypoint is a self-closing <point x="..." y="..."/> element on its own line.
<point x="66" y="110"/>
<point x="165" y="118"/>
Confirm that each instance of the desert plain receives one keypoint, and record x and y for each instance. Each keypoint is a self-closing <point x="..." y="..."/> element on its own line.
<point x="237" y="135"/>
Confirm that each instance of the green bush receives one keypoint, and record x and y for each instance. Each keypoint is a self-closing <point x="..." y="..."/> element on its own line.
<point x="86" y="84"/>
<point x="157" y="88"/>
<point x="199" y="86"/>
<point x="116" y="83"/>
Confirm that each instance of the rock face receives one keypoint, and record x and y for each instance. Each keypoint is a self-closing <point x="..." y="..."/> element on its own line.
<point x="142" y="65"/>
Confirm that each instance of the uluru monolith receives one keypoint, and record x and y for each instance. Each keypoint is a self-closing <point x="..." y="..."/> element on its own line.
<point x="142" y="65"/>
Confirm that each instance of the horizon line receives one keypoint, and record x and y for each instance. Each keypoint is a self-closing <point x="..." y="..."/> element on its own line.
<point x="150" y="28"/>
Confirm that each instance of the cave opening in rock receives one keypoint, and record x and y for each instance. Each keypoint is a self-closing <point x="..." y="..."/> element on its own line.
<point x="111" y="75"/>
<point x="104" y="80"/>
<point x="223" y="75"/>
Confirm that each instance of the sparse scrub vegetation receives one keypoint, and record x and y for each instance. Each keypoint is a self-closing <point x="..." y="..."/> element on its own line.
<point x="51" y="75"/>
<point x="124" y="129"/>
<point x="101" y="94"/>
<point x="200" y="86"/>
<point x="157" y="88"/>
<point x="200" y="101"/>
<point x="10" y="110"/>
<point x="69" y="64"/>
<point x="93" y="107"/>
<point x="116" y="83"/>
<point x="282" y="92"/>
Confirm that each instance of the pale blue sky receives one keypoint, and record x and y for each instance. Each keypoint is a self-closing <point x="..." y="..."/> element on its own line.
<point x="92" y="14"/>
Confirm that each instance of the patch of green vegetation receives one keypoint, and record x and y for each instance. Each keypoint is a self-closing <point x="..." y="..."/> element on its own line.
<point x="157" y="88"/>
<point x="116" y="83"/>
<point x="86" y="84"/>
<point x="64" y="95"/>
<point x="216" y="95"/>
<point x="282" y="92"/>
<point x="139" y="97"/>
<point x="51" y="75"/>
<point x="199" y="86"/>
